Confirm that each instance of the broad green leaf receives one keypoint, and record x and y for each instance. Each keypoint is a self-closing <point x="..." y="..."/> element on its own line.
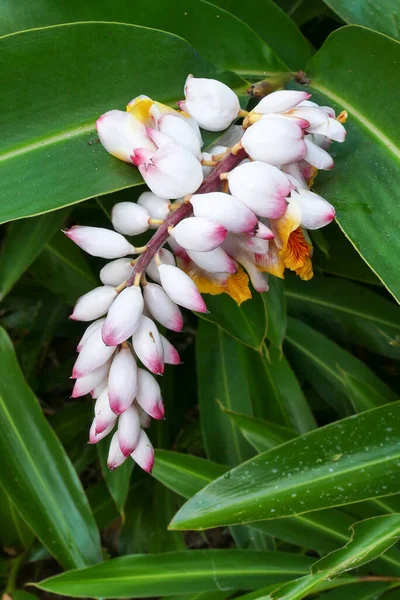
<point x="63" y="270"/>
<point x="382" y="16"/>
<point x="275" y="27"/>
<point x="246" y="323"/>
<point x="302" y="11"/>
<point x="69" y="422"/>
<point x="347" y="311"/>
<point x="102" y="505"/>
<point x="39" y="478"/>
<point x="14" y="533"/>
<point x="204" y="596"/>
<point x="56" y="161"/>
<point x="361" y="590"/>
<point x="23" y="243"/>
<point x="22" y="595"/>
<point x="275" y="304"/>
<point x="324" y="364"/>
<point x="143" y="576"/>
<point x="341" y="463"/>
<point x="118" y="480"/>
<point x="369" y="540"/>
<point x="342" y="585"/>
<point x="220" y="378"/>
<point x="261" y="434"/>
<point x="234" y="45"/>
<point x="364" y="184"/>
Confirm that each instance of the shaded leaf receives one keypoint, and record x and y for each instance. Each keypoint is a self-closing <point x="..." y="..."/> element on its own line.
<point x="118" y="480"/>
<point x="382" y="16"/>
<point x="275" y="303"/>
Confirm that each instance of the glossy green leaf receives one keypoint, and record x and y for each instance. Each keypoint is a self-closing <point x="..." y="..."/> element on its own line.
<point x="62" y="269"/>
<point x="324" y="364"/>
<point x="118" y="480"/>
<point x="69" y="422"/>
<point x="246" y="323"/>
<point x="14" y="533"/>
<point x="261" y="434"/>
<point x="142" y="576"/>
<point x="364" y="184"/>
<point x="349" y="461"/>
<point x="204" y="596"/>
<point x="361" y="590"/>
<point x="102" y="505"/>
<point x="56" y="161"/>
<point x="39" y="478"/>
<point x="369" y="540"/>
<point x="347" y="311"/>
<point x="221" y="378"/>
<point x="275" y="304"/>
<point x="239" y="48"/>
<point x="382" y="16"/>
<point x="302" y="11"/>
<point x="23" y="243"/>
<point x="275" y="27"/>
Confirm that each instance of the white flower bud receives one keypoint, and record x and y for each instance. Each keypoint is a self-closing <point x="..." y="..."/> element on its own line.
<point x="180" y="129"/>
<point x="261" y="187"/>
<point x="122" y="381"/>
<point x="172" y="171"/>
<point x="318" y="157"/>
<point x="274" y="141"/>
<point x="145" y="419"/>
<point x="143" y="454"/>
<point x="94" y="437"/>
<point x="166" y="257"/>
<point x="316" y="212"/>
<point x="94" y="304"/>
<point x="88" y="332"/>
<point x="158" y="208"/>
<point x="171" y="356"/>
<point x="148" y="395"/>
<point x="116" y="272"/>
<point x="115" y="457"/>
<point x="225" y="210"/>
<point x="212" y="103"/>
<point x="198" y="233"/>
<point x="89" y="382"/>
<point x="128" y="430"/>
<point x="180" y="288"/>
<point x="102" y="412"/>
<point x="215" y="261"/>
<point x="124" y="316"/>
<point x="147" y="345"/>
<point x="162" y="308"/>
<point x="95" y="393"/>
<point x="97" y="241"/>
<point x="120" y="133"/>
<point x="93" y="354"/>
<point x="129" y="218"/>
<point x="280" y="101"/>
<point x="263" y="232"/>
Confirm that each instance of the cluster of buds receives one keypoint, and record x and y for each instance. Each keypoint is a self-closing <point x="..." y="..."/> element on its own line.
<point x="236" y="213"/>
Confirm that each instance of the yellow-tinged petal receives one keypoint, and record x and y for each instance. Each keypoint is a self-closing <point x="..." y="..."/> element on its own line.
<point x="284" y="226"/>
<point x="272" y="262"/>
<point x="297" y="255"/>
<point x="236" y="285"/>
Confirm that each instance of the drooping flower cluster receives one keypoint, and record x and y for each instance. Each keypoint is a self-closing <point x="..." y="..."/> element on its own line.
<point x="239" y="211"/>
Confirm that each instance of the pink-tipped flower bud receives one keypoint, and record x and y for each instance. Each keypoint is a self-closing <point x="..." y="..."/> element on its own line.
<point x="280" y="101"/>
<point x="121" y="133"/>
<point x="103" y="414"/>
<point x="210" y="102"/>
<point x="225" y="210"/>
<point x="197" y="233"/>
<point x="148" y="347"/>
<point x="166" y="257"/>
<point x="116" y="272"/>
<point x="124" y="316"/>
<point x="171" y="172"/>
<point x="263" y="232"/>
<point x="129" y="218"/>
<point x="94" y="437"/>
<point x="180" y="129"/>
<point x="122" y="381"/>
<point x="162" y="308"/>
<point x="158" y="208"/>
<point x="128" y="430"/>
<point x="93" y="354"/>
<point x="148" y="395"/>
<point x="215" y="261"/>
<point x="318" y="157"/>
<point x="115" y="457"/>
<point x="88" y="332"/>
<point x="143" y="454"/>
<point x="145" y="419"/>
<point x="316" y="212"/>
<point x="171" y="356"/>
<point x="89" y="382"/>
<point x="274" y="141"/>
<point x="94" y="304"/>
<point x="95" y="393"/>
<point x="261" y="187"/>
<point x="180" y="288"/>
<point x="101" y="242"/>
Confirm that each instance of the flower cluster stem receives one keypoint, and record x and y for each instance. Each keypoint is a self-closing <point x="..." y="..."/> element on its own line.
<point x="211" y="184"/>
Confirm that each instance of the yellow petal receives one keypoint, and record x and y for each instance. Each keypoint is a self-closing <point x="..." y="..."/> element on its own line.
<point x="297" y="255"/>
<point x="272" y="262"/>
<point x="236" y="285"/>
<point x="284" y="226"/>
